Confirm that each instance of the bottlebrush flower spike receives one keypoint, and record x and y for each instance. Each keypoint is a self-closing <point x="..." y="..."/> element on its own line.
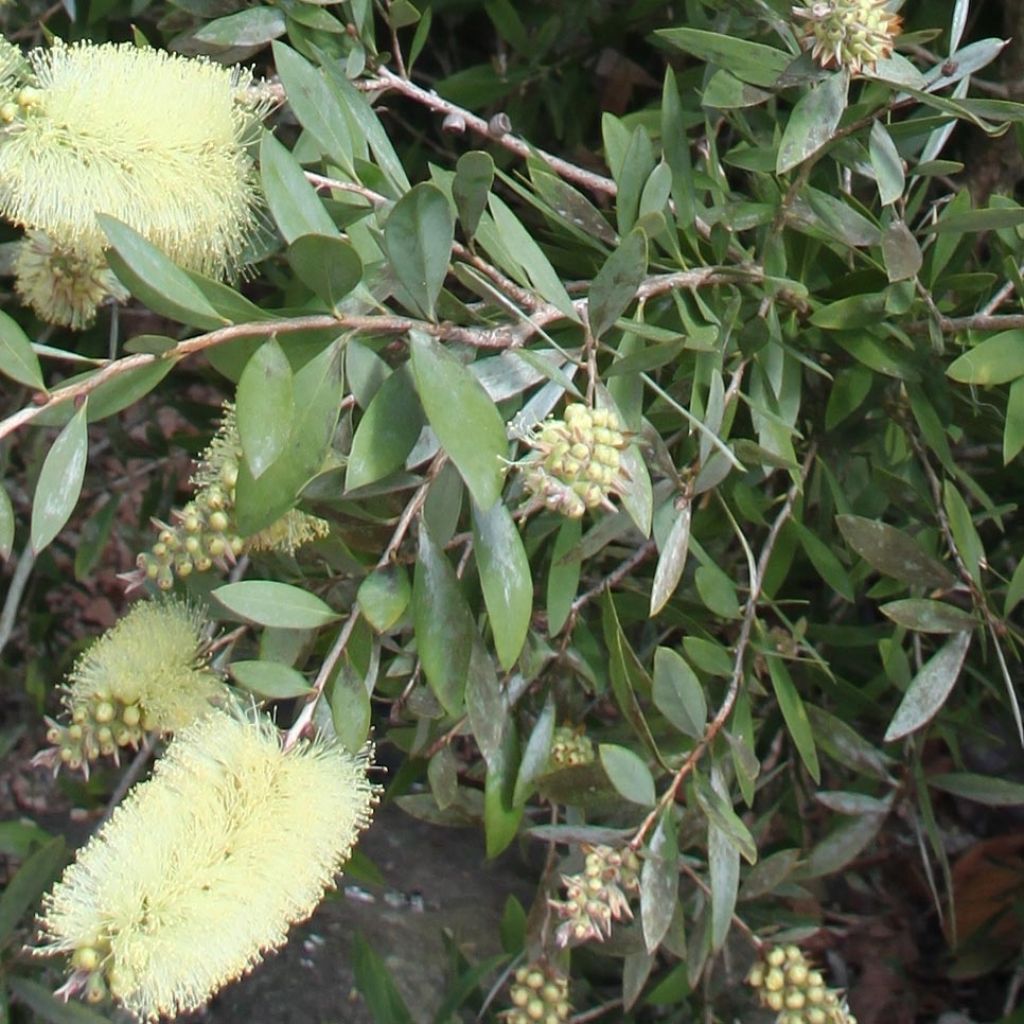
<point x="154" y="139"/>
<point x="61" y="287"/>
<point x="205" y="866"/>
<point x="147" y="673"/>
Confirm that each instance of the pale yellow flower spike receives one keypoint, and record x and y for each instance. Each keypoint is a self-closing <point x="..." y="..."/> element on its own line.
<point x="154" y="139"/>
<point x="151" y="658"/>
<point x="204" y="867"/>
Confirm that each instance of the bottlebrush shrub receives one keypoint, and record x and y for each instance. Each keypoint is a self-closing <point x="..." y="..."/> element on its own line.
<point x="205" y="866"/>
<point x="687" y="414"/>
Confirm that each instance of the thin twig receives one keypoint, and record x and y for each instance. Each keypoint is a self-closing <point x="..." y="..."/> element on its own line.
<point x="411" y="511"/>
<point x="597" y="1012"/>
<point x="715" y="726"/>
<point x="305" y="716"/>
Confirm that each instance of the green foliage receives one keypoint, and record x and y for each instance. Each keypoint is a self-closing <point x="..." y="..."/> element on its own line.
<point x="789" y="639"/>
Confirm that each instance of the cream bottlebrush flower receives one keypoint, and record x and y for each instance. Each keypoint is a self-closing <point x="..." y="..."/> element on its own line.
<point x="154" y="139"/>
<point x="147" y="673"/>
<point x="63" y="287"/>
<point x="205" y="866"/>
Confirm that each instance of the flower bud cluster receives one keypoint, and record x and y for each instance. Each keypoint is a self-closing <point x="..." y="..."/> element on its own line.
<point x="789" y="985"/>
<point x="849" y="33"/>
<point x="598" y="896"/>
<point x="147" y="673"/>
<point x="205" y="533"/>
<point x="569" y="747"/>
<point x="539" y="993"/>
<point x="577" y="464"/>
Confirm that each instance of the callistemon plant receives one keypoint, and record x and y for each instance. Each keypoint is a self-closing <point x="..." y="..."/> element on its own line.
<point x="848" y="33"/>
<point x="786" y="983"/>
<point x="147" y="673"/>
<point x="206" y="865"/>
<point x="156" y="140"/>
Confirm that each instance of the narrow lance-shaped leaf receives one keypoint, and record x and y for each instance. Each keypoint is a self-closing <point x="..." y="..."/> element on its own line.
<point x="930" y="688"/>
<point x="17" y="360"/>
<point x="264" y="406"/>
<point x="794" y="714"/>
<point x="474" y="175"/>
<point x="466" y="421"/>
<point x="268" y="603"/>
<point x="628" y="774"/>
<point x="60" y="480"/>
<point x="892" y="552"/>
<point x="659" y="882"/>
<point x="671" y="560"/>
<point x="6" y="525"/>
<point x="617" y="281"/>
<point x="443" y="623"/>
<point x="418" y="236"/>
<point x="813" y="122"/>
<point x="505" y="577"/>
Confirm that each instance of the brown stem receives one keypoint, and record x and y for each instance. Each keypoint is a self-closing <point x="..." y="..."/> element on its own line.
<point x="715" y="726"/>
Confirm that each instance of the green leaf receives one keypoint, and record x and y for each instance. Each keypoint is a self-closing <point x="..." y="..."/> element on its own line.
<point x="33" y="878"/>
<point x="717" y="592"/>
<point x="627" y="675"/>
<point x="505" y="578"/>
<point x="841" y="742"/>
<point x="720" y="814"/>
<point x="384" y="596"/>
<point x="270" y="679"/>
<point x="813" y="122"/>
<point x="265" y="406"/>
<point x="794" y="714"/>
<point x="887" y="164"/>
<point x="387" y="432"/>
<point x="893" y="553"/>
<point x="466" y="421"/>
<point x="1013" y="431"/>
<point x="6" y="524"/>
<point x="930" y="688"/>
<point x="563" y="576"/>
<point x="326" y="264"/>
<point x="154" y="280"/>
<point x="671" y="560"/>
<point x="501" y="816"/>
<point x="616" y="283"/>
<point x="841" y="846"/>
<point x="678" y="694"/>
<point x="724" y="91"/>
<point x="443" y="624"/>
<point x="315" y="105"/>
<point x="825" y="562"/>
<point x="418" y="237"/>
<point x="537" y="754"/>
<point x="965" y="534"/>
<point x="628" y="774"/>
<point x="901" y="253"/>
<point x="749" y="62"/>
<point x="350" y="706"/>
<point x="443" y="776"/>
<point x="724" y="872"/>
<point x="997" y="360"/>
<point x="373" y="979"/>
<point x="474" y="175"/>
<point x="928" y="616"/>
<point x="982" y="789"/>
<point x="1015" y="589"/>
<point x="42" y="1002"/>
<point x="268" y="603"/>
<point x="993" y="219"/>
<point x="17" y="360"/>
<point x="317" y="389"/>
<point x="293" y="202"/>
<point x="60" y="480"/>
<point x="252" y="27"/>
<point x="659" y="882"/>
